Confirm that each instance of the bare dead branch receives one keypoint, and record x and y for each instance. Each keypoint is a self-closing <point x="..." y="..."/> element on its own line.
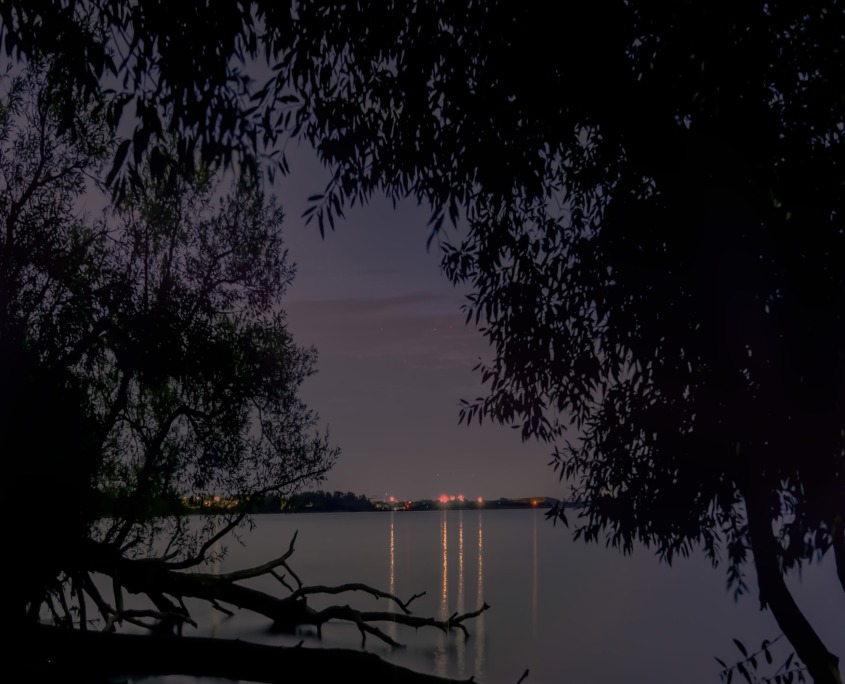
<point x="223" y="610"/>
<point x="348" y="614"/>
<point x="65" y="607"/>
<point x="354" y="586"/>
<point x="281" y="579"/>
<point x="263" y="569"/>
<point x="153" y="578"/>
<point x="414" y="598"/>
<point x="80" y="601"/>
<point x="134" y="615"/>
<point x="90" y="588"/>
<point x="294" y="575"/>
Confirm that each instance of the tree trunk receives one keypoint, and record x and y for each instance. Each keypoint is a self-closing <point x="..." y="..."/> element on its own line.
<point x="822" y="665"/>
<point x="839" y="551"/>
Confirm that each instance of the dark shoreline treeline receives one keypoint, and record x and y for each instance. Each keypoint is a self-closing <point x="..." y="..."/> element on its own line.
<point x="323" y="502"/>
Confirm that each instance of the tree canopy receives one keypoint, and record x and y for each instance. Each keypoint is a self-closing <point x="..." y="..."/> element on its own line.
<point x="651" y="201"/>
<point x="145" y="363"/>
<point x="145" y="357"/>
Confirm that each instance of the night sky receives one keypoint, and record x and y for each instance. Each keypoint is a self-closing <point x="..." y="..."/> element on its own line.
<point x="395" y="356"/>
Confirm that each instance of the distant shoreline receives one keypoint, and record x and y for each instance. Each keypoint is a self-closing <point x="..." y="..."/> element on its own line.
<point x="338" y="502"/>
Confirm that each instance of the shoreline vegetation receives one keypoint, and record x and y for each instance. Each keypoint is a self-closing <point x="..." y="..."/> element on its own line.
<point x="324" y="502"/>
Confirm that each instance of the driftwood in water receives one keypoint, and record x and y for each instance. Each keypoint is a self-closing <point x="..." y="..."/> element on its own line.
<point x="73" y="649"/>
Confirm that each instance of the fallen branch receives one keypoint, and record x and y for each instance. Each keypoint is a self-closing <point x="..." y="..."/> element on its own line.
<point x="157" y="579"/>
<point x="320" y="589"/>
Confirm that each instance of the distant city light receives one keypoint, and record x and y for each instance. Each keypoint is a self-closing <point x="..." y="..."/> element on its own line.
<point x="457" y="498"/>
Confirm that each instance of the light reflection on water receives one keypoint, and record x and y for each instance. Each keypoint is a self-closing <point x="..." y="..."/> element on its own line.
<point x="391" y="607"/>
<point x="535" y="582"/>
<point x="479" y="601"/>
<point x="441" y="655"/>
<point x="215" y="569"/>
<point x="459" y="608"/>
<point x="450" y="657"/>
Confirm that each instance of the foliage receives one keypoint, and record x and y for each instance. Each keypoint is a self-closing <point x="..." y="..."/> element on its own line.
<point x="328" y="501"/>
<point x="653" y="203"/>
<point x="145" y="362"/>
<point x="159" y="325"/>
<point x="751" y="664"/>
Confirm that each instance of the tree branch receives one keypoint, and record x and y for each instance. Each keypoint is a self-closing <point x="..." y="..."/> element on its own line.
<point x="153" y="578"/>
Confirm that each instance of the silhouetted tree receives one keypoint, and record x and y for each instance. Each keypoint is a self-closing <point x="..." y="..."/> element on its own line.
<point x="325" y="501"/>
<point x="653" y="204"/>
<point x="144" y="357"/>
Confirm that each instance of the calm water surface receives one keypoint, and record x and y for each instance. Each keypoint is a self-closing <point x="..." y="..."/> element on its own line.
<point x="565" y="610"/>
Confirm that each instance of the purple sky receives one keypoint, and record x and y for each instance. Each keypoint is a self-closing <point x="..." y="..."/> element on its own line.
<point x="395" y="356"/>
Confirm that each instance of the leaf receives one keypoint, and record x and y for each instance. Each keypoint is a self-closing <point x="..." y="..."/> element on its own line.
<point x="119" y="157"/>
<point x="741" y="647"/>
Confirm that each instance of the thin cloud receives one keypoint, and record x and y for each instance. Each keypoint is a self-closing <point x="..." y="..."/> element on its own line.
<point x="420" y="329"/>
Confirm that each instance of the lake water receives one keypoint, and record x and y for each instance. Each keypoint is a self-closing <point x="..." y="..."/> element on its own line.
<point x="565" y="610"/>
